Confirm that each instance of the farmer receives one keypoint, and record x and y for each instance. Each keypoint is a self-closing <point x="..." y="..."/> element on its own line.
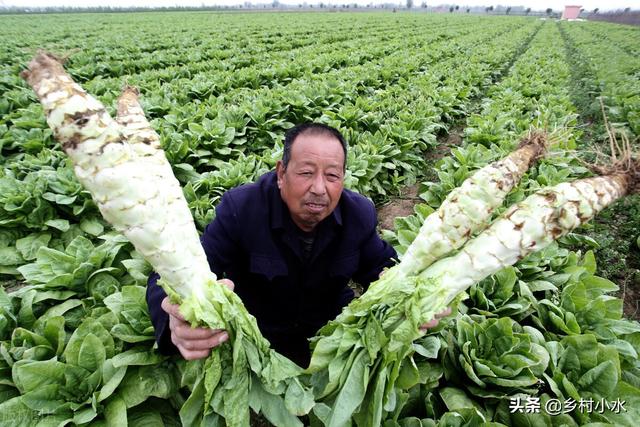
<point x="288" y="245"/>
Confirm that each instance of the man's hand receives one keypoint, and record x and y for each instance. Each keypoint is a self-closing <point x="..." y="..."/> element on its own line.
<point x="193" y="343"/>
<point x="433" y="323"/>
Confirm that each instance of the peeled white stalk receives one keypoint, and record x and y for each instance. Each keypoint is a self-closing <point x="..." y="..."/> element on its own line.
<point x="468" y="208"/>
<point x="527" y="227"/>
<point x="465" y="211"/>
<point x="125" y="170"/>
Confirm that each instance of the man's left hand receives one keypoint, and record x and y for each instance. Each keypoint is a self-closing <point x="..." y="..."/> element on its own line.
<point x="433" y="323"/>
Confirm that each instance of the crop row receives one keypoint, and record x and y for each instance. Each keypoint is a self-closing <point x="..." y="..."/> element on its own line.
<point x="403" y="119"/>
<point x="625" y="37"/>
<point x="212" y="56"/>
<point x="41" y="192"/>
<point x="616" y="73"/>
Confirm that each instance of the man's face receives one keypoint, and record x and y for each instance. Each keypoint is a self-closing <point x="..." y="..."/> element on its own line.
<point x="312" y="183"/>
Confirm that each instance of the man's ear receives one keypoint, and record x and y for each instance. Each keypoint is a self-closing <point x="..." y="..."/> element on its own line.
<point x="280" y="172"/>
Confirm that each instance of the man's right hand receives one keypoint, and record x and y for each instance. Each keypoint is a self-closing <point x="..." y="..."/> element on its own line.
<point x="193" y="343"/>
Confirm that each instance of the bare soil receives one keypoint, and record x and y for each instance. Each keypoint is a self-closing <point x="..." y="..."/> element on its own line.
<point x="630" y="295"/>
<point x="398" y="206"/>
<point x="403" y="204"/>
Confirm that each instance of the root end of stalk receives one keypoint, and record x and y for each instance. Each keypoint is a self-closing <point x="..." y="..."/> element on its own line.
<point x="128" y="99"/>
<point x="627" y="168"/>
<point x="128" y="90"/>
<point x="43" y="65"/>
<point x="622" y="160"/>
<point x="538" y="141"/>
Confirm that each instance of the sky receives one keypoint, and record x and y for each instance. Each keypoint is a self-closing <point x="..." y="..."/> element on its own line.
<point x="535" y="5"/>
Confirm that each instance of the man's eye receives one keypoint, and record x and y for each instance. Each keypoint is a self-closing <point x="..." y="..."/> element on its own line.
<point x="305" y="173"/>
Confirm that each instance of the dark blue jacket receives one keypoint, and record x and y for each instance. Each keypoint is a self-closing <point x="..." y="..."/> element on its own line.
<point x="254" y="242"/>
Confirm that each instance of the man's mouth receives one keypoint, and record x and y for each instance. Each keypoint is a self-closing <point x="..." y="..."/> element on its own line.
<point x="315" y="207"/>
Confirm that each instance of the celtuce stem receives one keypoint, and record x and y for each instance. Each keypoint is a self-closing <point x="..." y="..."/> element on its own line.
<point x="465" y="211"/>
<point x="127" y="174"/>
<point x="468" y="208"/>
<point x="527" y="227"/>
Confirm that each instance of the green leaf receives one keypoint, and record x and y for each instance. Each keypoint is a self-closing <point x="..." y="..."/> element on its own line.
<point x="127" y="334"/>
<point x="352" y="392"/>
<point x="59" y="224"/>
<point x="111" y="378"/>
<point x="92" y="353"/>
<point x="115" y="412"/>
<point x="298" y="400"/>
<point x="10" y="256"/>
<point x="80" y="248"/>
<point x="84" y="415"/>
<point x="92" y="226"/>
<point x="61" y="309"/>
<point x="599" y="284"/>
<point x="428" y="347"/>
<point x="142" y="382"/>
<point x="28" y="246"/>
<point x="102" y="284"/>
<point x="87" y="327"/>
<point x="589" y="262"/>
<point x="541" y="285"/>
<point x="139" y="269"/>
<point x="196" y="128"/>
<point x="137" y="356"/>
<point x="456" y="399"/>
<point x="409" y="374"/>
<point x="14" y="412"/>
<point x="406" y="237"/>
<point x="601" y="380"/>
<point x="54" y="333"/>
<point x="31" y="376"/>
<point x="272" y="406"/>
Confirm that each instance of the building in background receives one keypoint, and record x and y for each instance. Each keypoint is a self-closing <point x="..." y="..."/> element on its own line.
<point x="571" y="12"/>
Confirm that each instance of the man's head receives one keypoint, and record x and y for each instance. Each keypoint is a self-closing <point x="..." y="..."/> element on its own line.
<point x="311" y="172"/>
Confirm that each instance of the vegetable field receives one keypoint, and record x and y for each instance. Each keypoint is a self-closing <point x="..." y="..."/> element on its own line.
<point x="424" y="101"/>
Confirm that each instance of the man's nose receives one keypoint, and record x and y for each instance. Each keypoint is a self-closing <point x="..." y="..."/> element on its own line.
<point x="318" y="186"/>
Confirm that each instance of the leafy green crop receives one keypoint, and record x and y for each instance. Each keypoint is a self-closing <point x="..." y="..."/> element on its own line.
<point x="76" y="343"/>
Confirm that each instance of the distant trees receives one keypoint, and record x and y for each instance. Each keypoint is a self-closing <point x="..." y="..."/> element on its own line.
<point x="526" y="12"/>
<point x="595" y="11"/>
<point x="549" y="10"/>
<point x="424" y="5"/>
<point x="409" y="4"/>
<point x="508" y="10"/>
<point x="488" y="9"/>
